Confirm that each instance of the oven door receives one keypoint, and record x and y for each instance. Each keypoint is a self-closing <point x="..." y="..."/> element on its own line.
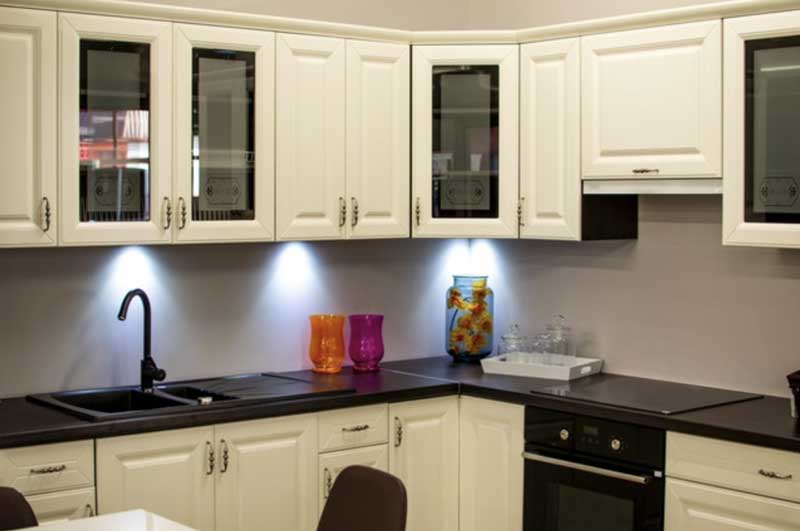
<point x="566" y="495"/>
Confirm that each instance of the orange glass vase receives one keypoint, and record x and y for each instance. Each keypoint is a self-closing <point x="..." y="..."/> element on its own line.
<point x="327" y="343"/>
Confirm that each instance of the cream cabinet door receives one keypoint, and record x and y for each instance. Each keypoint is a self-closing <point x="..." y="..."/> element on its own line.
<point x="169" y="473"/>
<point x="550" y="156"/>
<point x="652" y="102"/>
<point x="331" y="464"/>
<point x="776" y="163"/>
<point x="481" y="115"/>
<point x="423" y="453"/>
<point x="310" y="137"/>
<point x="378" y="142"/>
<point x="116" y="130"/>
<point x="491" y="481"/>
<point x="267" y="474"/>
<point x="224" y="163"/>
<point x="28" y="186"/>
<point x="62" y="506"/>
<point x="696" y="507"/>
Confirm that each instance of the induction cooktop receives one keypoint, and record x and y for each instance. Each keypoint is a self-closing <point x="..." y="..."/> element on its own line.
<point x="642" y="394"/>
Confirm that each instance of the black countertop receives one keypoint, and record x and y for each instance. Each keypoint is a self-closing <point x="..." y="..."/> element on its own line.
<point x="764" y="422"/>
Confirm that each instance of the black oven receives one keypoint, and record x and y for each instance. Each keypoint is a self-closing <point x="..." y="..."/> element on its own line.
<point x="587" y="474"/>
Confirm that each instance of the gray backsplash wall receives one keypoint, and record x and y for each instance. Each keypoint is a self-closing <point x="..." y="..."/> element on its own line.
<point x="674" y="304"/>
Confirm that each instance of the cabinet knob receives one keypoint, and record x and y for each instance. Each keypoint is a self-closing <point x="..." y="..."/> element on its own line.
<point x="616" y="444"/>
<point x="564" y="435"/>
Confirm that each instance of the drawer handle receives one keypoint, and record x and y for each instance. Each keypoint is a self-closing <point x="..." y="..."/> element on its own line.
<point x="774" y="475"/>
<point x="89" y="510"/>
<point x="328" y="483"/>
<point x="360" y="427"/>
<point x="49" y="469"/>
<point x="640" y="171"/>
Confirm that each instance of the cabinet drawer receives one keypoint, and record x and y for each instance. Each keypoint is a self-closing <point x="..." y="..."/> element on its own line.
<point x="47" y="468"/>
<point x="735" y="466"/>
<point x="353" y="427"/>
<point x="54" y="507"/>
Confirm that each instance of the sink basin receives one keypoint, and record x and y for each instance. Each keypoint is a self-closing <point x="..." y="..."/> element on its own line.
<point x="195" y="394"/>
<point x="112" y="404"/>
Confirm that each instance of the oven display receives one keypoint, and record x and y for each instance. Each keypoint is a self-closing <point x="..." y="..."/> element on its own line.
<point x="591" y="431"/>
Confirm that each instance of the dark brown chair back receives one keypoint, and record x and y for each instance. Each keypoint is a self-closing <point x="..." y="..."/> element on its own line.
<point x="365" y="499"/>
<point x="15" y="511"/>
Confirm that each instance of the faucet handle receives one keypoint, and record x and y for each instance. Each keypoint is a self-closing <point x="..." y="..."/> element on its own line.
<point x="159" y="375"/>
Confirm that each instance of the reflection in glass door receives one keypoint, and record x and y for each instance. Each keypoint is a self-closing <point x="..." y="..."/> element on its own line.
<point x="223" y="135"/>
<point x="114" y="131"/>
<point x="465" y="141"/>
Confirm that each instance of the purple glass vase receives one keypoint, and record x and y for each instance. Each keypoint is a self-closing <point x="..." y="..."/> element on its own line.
<point x="366" y="342"/>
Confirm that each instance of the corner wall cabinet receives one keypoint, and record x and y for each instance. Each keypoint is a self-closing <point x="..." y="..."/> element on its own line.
<point x="550" y="158"/>
<point x="224" y="134"/>
<point x="491" y="480"/>
<point x="116" y="130"/>
<point x="423" y="453"/>
<point x="465" y="158"/>
<point x="761" y="199"/>
<point x="28" y="184"/>
<point x="652" y="102"/>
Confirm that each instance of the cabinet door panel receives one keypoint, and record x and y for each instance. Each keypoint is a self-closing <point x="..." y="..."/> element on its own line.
<point x="116" y="130"/>
<point x="331" y="464"/>
<point x="310" y="142"/>
<point x="465" y="164"/>
<point x="28" y="129"/>
<point x="378" y="121"/>
<point x="63" y="506"/>
<point x="550" y="180"/>
<point x="164" y="472"/>
<point x="224" y="134"/>
<point x="695" y="507"/>
<point x="652" y="102"/>
<point x="424" y="455"/>
<point x="270" y="478"/>
<point x="492" y="442"/>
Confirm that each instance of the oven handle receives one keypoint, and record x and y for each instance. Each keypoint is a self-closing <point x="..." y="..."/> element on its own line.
<point x="641" y="480"/>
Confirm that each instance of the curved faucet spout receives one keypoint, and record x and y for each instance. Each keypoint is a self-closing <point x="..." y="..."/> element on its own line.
<point x="150" y="370"/>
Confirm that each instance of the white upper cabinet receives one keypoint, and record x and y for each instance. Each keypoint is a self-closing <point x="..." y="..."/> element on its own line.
<point x="28" y="185"/>
<point x="224" y="134"/>
<point x="378" y="143"/>
<point x="761" y="199"/>
<point x="465" y="141"/>
<point x="116" y="130"/>
<point x="550" y="158"/>
<point x="310" y="143"/>
<point x="652" y="102"/>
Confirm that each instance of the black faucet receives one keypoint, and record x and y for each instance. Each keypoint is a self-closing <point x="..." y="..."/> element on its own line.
<point x="150" y="370"/>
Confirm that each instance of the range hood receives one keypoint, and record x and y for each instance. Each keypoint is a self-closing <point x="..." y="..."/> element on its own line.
<point x="652" y="186"/>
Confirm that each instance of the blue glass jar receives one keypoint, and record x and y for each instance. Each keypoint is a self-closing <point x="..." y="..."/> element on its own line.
<point x="469" y="324"/>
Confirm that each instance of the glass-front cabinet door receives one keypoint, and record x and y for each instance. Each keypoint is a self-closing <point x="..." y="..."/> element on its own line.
<point x="762" y="127"/>
<point x="465" y="138"/>
<point x="224" y="134"/>
<point x="115" y="130"/>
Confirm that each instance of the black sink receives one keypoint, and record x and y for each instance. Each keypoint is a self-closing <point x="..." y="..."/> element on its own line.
<point x="112" y="404"/>
<point x="196" y="394"/>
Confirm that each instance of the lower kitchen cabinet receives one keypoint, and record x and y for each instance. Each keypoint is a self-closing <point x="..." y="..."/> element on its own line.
<point x="491" y="480"/>
<point x="267" y="474"/>
<point x="695" y="507"/>
<point x="424" y="455"/>
<point x="169" y="473"/>
<point x="55" y="507"/>
<point x="331" y="464"/>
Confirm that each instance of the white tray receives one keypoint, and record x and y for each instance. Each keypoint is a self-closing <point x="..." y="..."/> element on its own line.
<point x="547" y="366"/>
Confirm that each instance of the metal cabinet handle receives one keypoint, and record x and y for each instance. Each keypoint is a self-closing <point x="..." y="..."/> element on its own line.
<point x="182" y="204"/>
<point x="342" y="212"/>
<point x="88" y="510"/>
<point x="168" y="207"/>
<point x="520" y="211"/>
<point x="328" y="479"/>
<point x="211" y="458"/>
<point x="642" y="480"/>
<point x="774" y="475"/>
<point x="48" y="469"/>
<point x="354" y="202"/>
<point x="398" y="432"/>
<point x="225" y="456"/>
<point x="418" y="211"/>
<point x="46" y="210"/>
<point x="360" y="427"/>
<point x="640" y="171"/>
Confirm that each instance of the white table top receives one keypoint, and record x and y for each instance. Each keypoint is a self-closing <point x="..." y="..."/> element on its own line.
<point x="138" y="520"/>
